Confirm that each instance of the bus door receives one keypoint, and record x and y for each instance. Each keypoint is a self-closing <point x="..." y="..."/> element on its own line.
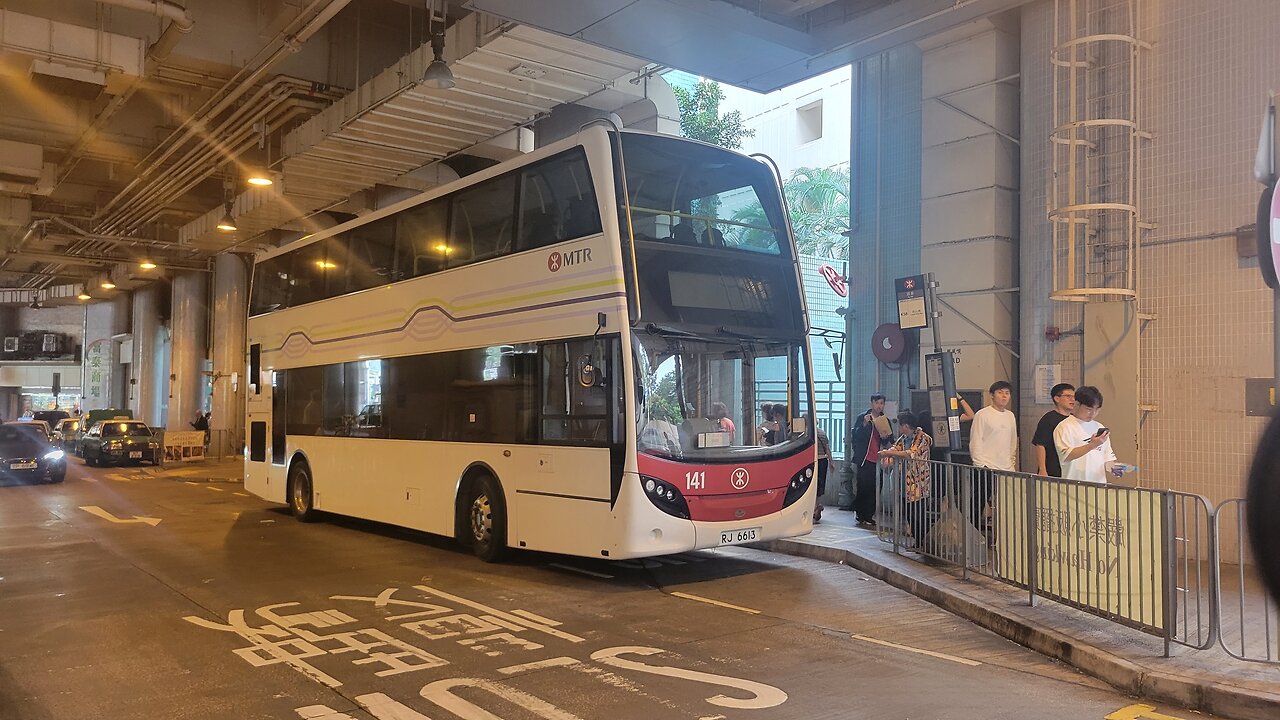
<point x="259" y="396"/>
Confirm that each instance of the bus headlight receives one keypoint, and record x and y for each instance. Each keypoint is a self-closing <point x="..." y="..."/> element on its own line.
<point x="798" y="486"/>
<point x="666" y="497"/>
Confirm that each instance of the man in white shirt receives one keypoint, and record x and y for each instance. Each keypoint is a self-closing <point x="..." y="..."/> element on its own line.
<point x="1083" y="444"/>
<point x="993" y="444"/>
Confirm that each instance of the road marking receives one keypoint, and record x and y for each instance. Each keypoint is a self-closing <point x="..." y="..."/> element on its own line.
<point x="908" y="648"/>
<point x="536" y="618"/>
<point x="709" y="601"/>
<point x="540" y="664"/>
<point x="95" y="510"/>
<point x="571" y="568"/>
<point x="241" y="494"/>
<point x="190" y="483"/>
<point x="1139" y="712"/>
<point x="119" y="478"/>
<point x="215" y="489"/>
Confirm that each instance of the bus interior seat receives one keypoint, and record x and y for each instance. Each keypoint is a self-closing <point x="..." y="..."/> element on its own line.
<point x="683" y="233"/>
<point x="713" y="236"/>
<point x="580" y="218"/>
<point x="539" y="230"/>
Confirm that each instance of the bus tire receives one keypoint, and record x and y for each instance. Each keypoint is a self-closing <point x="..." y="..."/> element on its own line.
<point x="301" y="492"/>
<point x="485" y="517"/>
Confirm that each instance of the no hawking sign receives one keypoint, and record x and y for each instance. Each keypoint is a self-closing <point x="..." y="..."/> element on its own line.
<point x="557" y="260"/>
<point x="835" y="280"/>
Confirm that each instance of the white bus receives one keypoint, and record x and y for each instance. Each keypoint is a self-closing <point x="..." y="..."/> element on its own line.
<point x="566" y="352"/>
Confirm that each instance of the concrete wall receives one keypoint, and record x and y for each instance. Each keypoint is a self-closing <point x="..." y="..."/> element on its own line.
<point x="776" y="119"/>
<point x="1205" y="84"/>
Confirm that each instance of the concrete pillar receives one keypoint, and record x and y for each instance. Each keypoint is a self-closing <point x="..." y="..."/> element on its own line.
<point x="144" y="390"/>
<point x="121" y="317"/>
<point x="230" y="306"/>
<point x="969" y="195"/>
<point x="189" y="348"/>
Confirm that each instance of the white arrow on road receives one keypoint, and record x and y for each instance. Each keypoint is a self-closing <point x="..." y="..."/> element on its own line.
<point x="95" y="510"/>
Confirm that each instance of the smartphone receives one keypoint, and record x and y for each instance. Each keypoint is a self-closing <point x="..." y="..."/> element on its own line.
<point x="1100" y="432"/>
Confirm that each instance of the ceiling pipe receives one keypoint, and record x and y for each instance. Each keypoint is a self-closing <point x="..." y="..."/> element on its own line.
<point x="180" y="24"/>
<point x="290" y="41"/>
<point x="206" y="159"/>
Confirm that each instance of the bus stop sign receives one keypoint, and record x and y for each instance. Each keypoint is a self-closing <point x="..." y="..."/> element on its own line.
<point x="1268" y="229"/>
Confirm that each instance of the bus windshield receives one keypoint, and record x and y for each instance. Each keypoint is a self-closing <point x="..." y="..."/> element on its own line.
<point x="692" y="194"/>
<point x="702" y="398"/>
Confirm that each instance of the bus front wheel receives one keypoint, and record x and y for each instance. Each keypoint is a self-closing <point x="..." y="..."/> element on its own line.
<point x="486" y="519"/>
<point x="301" y="497"/>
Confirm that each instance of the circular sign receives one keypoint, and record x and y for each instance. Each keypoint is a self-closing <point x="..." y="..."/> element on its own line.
<point x="888" y="343"/>
<point x="553" y="261"/>
<point x="740" y="478"/>
<point x="1274" y="258"/>
<point x="834" y="279"/>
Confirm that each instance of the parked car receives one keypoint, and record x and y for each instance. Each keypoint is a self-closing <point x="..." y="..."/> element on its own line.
<point x="91" y="418"/>
<point x="66" y="433"/>
<point x="26" y="454"/>
<point x="120" y="441"/>
<point x="41" y="424"/>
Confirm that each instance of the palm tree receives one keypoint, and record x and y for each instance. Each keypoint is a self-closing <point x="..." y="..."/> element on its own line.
<point x="819" y="202"/>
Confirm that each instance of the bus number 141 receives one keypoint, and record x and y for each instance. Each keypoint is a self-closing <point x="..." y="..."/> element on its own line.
<point x="695" y="480"/>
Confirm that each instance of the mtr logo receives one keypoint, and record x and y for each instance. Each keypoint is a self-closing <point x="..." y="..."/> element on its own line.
<point x="557" y="260"/>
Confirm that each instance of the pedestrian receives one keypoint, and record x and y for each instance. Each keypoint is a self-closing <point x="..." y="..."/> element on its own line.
<point x="1083" y="444"/>
<point x="868" y="438"/>
<point x="767" y="426"/>
<point x="824" y="460"/>
<point x="993" y="445"/>
<point x="720" y="413"/>
<point x="913" y="449"/>
<point x="1064" y="401"/>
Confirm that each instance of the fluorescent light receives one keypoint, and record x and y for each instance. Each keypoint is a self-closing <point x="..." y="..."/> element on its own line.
<point x="326" y="265"/>
<point x="84" y="296"/>
<point x="260" y="179"/>
<point x="442" y="248"/>
<point x="107" y="285"/>
<point x="147" y="265"/>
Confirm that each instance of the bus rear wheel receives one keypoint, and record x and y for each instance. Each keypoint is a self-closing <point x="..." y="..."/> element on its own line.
<point x="301" y="494"/>
<point x="486" y="519"/>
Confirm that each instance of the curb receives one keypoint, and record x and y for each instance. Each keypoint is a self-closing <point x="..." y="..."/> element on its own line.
<point x="1123" y="674"/>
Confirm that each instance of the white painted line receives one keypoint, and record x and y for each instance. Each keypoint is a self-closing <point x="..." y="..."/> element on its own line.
<point x="105" y="515"/>
<point x="241" y="494"/>
<point x="908" y="648"/>
<point x="709" y="601"/>
<point x="540" y="664"/>
<point x="535" y="617"/>
<point x="571" y="568"/>
<point x="190" y="483"/>
<point x="215" y="489"/>
<point x="500" y="614"/>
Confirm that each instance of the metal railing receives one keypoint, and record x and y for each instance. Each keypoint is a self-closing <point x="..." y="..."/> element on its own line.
<point x="1247" y="616"/>
<point x="1146" y="559"/>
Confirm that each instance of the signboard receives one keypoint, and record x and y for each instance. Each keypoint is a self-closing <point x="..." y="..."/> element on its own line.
<point x="1273" y="258"/>
<point x="940" y="379"/>
<point x="911" y="304"/>
<point x="97" y="367"/>
<point x="835" y="280"/>
<point x="183" y="445"/>
<point x="1045" y="378"/>
<point x="1094" y="546"/>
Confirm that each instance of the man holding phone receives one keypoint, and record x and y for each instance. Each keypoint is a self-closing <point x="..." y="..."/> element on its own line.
<point x="1083" y="443"/>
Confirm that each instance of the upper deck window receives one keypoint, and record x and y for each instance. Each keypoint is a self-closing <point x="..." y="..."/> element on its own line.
<point x="691" y="194"/>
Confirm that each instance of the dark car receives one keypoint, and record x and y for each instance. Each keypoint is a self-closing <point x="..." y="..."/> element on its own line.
<point x="120" y="441"/>
<point x="66" y="433"/>
<point x="26" y="454"/>
<point x="50" y="416"/>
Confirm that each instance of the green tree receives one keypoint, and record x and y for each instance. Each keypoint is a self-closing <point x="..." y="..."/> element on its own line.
<point x="700" y="117"/>
<point x="819" y="201"/>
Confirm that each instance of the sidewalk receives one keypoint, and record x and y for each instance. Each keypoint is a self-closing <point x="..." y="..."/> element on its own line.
<point x="1207" y="680"/>
<point x="227" y="470"/>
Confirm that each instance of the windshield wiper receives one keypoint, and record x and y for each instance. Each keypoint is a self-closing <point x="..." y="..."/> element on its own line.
<point x="656" y="329"/>
<point x="722" y="330"/>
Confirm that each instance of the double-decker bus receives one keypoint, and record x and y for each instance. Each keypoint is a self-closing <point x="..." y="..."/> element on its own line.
<point x="566" y="352"/>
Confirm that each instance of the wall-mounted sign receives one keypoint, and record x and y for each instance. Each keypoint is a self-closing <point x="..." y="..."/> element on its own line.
<point x="835" y="280"/>
<point x="911" y="306"/>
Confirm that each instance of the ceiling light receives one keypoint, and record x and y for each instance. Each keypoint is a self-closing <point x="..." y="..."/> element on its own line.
<point x="147" y="265"/>
<point x="227" y="223"/>
<point x="84" y="296"/>
<point x="107" y="285"/>
<point x="441" y="247"/>
<point x="438" y="75"/>
<point x="326" y="265"/>
<point x="260" y="179"/>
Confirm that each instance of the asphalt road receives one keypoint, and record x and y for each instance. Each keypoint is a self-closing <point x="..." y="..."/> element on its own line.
<point x="124" y="595"/>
